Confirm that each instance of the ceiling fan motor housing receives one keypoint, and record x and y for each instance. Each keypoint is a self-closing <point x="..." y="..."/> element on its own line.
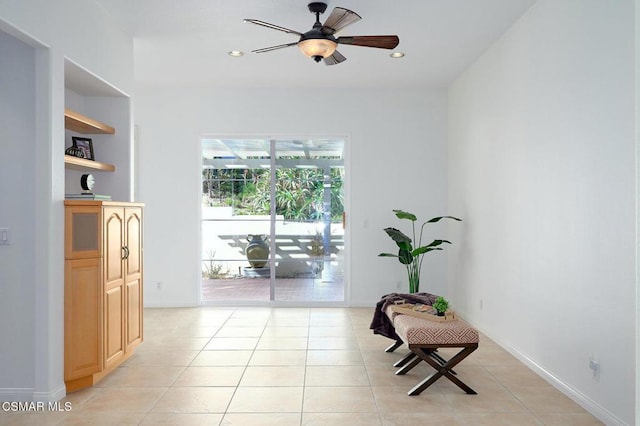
<point x="316" y="33"/>
<point x="317" y="7"/>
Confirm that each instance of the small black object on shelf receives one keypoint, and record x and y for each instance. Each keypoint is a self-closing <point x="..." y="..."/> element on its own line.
<point x="74" y="151"/>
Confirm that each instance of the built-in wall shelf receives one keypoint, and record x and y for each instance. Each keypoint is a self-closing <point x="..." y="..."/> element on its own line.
<point x="77" y="122"/>
<point x="82" y="164"/>
<point x="94" y="108"/>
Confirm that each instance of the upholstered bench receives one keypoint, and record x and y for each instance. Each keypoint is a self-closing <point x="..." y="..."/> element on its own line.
<point x="391" y="314"/>
<point x="424" y="337"/>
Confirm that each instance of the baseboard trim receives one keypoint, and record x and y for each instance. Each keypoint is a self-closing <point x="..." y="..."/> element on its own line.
<point x="581" y="399"/>
<point x="16" y="394"/>
<point x="29" y="394"/>
<point x="54" y="395"/>
<point x="170" y="304"/>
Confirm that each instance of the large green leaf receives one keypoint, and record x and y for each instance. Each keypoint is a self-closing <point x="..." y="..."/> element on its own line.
<point x="403" y="245"/>
<point x="439" y="218"/>
<point x="424" y="249"/>
<point x="429" y="247"/>
<point x="387" y="255"/>
<point x="405" y="257"/>
<point x="397" y="235"/>
<point x="435" y="243"/>
<point x="405" y="215"/>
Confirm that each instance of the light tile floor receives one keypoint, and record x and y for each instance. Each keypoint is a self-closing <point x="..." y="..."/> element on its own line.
<point x="293" y="366"/>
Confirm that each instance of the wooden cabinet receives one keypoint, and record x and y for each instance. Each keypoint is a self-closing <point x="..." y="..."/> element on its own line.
<point x="103" y="288"/>
<point x="82" y="318"/>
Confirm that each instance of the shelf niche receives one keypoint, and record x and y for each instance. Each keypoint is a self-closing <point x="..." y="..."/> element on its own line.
<point x="79" y="123"/>
<point x="96" y="109"/>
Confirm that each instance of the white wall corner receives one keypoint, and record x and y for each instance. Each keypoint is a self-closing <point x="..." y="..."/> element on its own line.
<point x="55" y="394"/>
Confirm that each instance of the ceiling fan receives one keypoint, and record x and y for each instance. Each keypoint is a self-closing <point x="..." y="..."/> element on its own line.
<point x="319" y="43"/>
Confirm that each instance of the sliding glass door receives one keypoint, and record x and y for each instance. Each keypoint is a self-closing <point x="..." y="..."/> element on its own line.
<point x="272" y="220"/>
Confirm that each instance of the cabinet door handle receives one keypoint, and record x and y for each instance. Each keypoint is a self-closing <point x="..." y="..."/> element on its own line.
<point x="125" y="252"/>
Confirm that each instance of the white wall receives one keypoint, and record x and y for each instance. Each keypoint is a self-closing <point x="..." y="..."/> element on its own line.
<point x="81" y="30"/>
<point x="637" y="92"/>
<point x="32" y="176"/>
<point x="542" y="165"/>
<point x="17" y="135"/>
<point x="396" y="159"/>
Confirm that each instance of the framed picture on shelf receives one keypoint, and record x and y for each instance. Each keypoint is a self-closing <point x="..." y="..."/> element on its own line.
<point x="85" y="145"/>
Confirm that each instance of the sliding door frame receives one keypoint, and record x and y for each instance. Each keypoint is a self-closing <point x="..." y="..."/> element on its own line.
<point x="272" y="139"/>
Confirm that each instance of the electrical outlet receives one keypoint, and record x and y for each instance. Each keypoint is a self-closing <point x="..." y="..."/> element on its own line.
<point x="159" y="285"/>
<point x="594" y="366"/>
<point x="4" y="237"/>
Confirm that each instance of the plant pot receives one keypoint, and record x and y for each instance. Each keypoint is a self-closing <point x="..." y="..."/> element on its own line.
<point x="440" y="314"/>
<point x="257" y="251"/>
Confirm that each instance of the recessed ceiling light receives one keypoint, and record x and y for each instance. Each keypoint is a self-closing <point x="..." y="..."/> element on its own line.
<point x="397" y="55"/>
<point x="236" y="53"/>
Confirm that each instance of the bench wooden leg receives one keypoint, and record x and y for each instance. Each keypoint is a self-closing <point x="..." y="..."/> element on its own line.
<point x="405" y="359"/>
<point x="407" y="366"/>
<point x="433" y="353"/>
<point x="442" y="369"/>
<point x="394" y="346"/>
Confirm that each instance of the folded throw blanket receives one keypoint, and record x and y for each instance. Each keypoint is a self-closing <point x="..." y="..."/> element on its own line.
<point x="381" y="324"/>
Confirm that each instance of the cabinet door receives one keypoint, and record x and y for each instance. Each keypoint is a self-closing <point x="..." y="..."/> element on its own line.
<point x="83" y="232"/>
<point x="134" y="313"/>
<point x="114" y="285"/>
<point x="83" y="318"/>
<point x="133" y="277"/>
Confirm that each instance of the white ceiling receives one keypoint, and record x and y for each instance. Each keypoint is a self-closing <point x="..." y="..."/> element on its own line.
<point x="185" y="42"/>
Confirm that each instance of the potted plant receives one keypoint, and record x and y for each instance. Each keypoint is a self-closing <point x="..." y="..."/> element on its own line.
<point x="441" y="305"/>
<point x="408" y="255"/>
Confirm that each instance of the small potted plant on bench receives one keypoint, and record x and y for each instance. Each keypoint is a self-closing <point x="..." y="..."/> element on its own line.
<point x="441" y="305"/>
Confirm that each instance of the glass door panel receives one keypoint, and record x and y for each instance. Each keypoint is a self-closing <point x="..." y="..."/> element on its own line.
<point x="272" y="237"/>
<point x="227" y="274"/>
<point x="308" y="221"/>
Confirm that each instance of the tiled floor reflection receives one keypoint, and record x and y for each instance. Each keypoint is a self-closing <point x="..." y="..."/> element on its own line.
<point x="299" y="366"/>
<point x="318" y="289"/>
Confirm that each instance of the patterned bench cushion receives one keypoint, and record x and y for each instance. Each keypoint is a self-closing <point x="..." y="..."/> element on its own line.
<point x="390" y="313"/>
<point x="418" y="331"/>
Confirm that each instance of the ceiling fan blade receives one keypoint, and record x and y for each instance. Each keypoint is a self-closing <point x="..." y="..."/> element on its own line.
<point x="272" y="26"/>
<point x="269" y="49"/>
<point x="334" y="59"/>
<point x="339" y="18"/>
<point x="381" y="42"/>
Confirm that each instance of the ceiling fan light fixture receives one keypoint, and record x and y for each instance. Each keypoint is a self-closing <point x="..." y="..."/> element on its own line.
<point x="397" y="55"/>
<point x="317" y="48"/>
<point x="320" y="43"/>
<point x="235" y="53"/>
